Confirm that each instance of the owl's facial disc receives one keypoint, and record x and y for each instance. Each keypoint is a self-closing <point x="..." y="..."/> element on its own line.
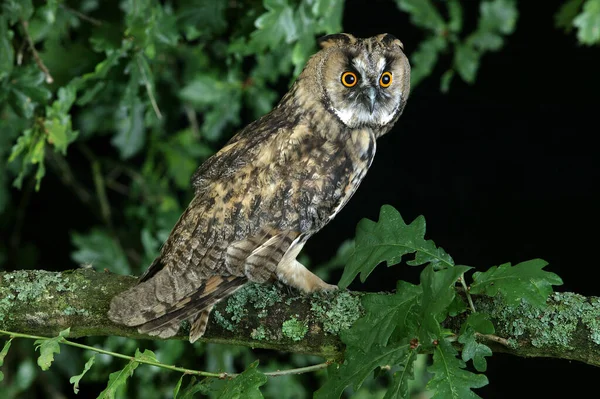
<point x="366" y="94"/>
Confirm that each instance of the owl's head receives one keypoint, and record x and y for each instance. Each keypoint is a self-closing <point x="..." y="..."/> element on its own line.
<point x="364" y="82"/>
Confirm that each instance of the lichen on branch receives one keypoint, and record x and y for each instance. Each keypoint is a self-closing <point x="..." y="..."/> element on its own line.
<point x="276" y="317"/>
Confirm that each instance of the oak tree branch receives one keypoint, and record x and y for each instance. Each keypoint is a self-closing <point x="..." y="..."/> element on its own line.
<point x="276" y="317"/>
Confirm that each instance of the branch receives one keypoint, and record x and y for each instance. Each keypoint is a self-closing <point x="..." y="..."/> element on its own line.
<point x="275" y="317"/>
<point x="36" y="56"/>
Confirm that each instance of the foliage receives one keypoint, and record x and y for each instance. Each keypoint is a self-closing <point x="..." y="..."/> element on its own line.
<point x="497" y="19"/>
<point x="159" y="86"/>
<point x="48" y="347"/>
<point x="3" y="354"/>
<point x="584" y="15"/>
<point x="397" y="327"/>
<point x="523" y="282"/>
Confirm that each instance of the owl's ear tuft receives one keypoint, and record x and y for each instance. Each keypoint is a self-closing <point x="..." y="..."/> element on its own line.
<point x="336" y="39"/>
<point x="389" y="40"/>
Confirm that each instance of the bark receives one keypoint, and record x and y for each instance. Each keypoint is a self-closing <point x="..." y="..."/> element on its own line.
<point x="276" y="317"/>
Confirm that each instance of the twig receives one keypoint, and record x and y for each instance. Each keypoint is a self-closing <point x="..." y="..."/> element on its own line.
<point x="67" y="177"/>
<point x="278" y="373"/>
<point x="118" y="187"/>
<point x="148" y="89"/>
<point x="20" y="52"/>
<point x="469" y="299"/>
<point x="300" y="370"/>
<point x="191" y="115"/>
<point x="494" y="338"/>
<point x="99" y="184"/>
<point x="81" y="15"/>
<point x="115" y="354"/>
<point x="36" y="56"/>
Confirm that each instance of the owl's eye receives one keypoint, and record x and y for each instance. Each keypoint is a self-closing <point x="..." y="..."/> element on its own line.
<point x="386" y="79"/>
<point x="349" y="79"/>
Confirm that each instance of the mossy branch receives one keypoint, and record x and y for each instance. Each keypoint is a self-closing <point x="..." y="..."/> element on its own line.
<point x="275" y="317"/>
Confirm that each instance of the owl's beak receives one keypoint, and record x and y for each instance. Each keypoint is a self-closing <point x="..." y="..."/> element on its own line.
<point x="371" y="95"/>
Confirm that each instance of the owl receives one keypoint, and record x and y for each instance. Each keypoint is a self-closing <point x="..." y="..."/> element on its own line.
<point x="274" y="184"/>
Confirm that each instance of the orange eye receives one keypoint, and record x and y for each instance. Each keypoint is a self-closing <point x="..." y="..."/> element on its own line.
<point x="386" y="79"/>
<point x="349" y="79"/>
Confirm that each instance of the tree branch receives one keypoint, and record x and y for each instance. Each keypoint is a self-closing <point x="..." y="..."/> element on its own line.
<point x="275" y="317"/>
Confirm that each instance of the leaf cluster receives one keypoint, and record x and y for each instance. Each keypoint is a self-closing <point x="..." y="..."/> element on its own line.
<point x="497" y="19"/>
<point x="396" y="327"/>
<point x="584" y="16"/>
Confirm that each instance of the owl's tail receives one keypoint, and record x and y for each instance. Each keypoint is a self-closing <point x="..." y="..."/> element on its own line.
<point x="152" y="307"/>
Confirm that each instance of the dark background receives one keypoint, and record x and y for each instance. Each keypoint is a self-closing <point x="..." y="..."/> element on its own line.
<point x="504" y="170"/>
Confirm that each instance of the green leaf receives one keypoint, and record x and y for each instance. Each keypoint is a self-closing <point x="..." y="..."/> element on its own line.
<point x="220" y="100"/>
<point x="387" y="241"/>
<point x="129" y="116"/>
<point x="445" y="80"/>
<point x="423" y="14"/>
<point x="131" y="132"/>
<point x="27" y="90"/>
<point x="328" y="14"/>
<point x="438" y="295"/>
<point x="566" y="14"/>
<point x="76" y="378"/>
<point x="383" y="315"/>
<point x="525" y="281"/>
<point x="3" y="354"/>
<point x="473" y="350"/>
<point x="498" y="15"/>
<point x="400" y="386"/>
<point x="588" y="23"/>
<point x="480" y="323"/>
<point x="424" y="58"/>
<point x="359" y="364"/>
<point x="190" y="390"/>
<point x="178" y="386"/>
<point x="16" y="10"/>
<point x="200" y="18"/>
<point x="118" y="380"/>
<point x="48" y="347"/>
<point x="30" y="147"/>
<point x="245" y="385"/>
<point x="7" y="54"/>
<point x="274" y="27"/>
<point x="455" y="14"/>
<point x="450" y="380"/>
<point x="147" y="355"/>
<point x="466" y="62"/>
<point x="58" y="120"/>
<point x="99" y="249"/>
<point x="183" y="151"/>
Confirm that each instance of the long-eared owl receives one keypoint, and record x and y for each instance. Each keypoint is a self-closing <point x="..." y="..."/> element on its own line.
<point x="275" y="184"/>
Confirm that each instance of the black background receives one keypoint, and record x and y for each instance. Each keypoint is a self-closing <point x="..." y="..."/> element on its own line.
<point x="504" y="170"/>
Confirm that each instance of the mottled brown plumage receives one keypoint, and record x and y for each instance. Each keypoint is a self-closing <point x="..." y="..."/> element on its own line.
<point x="275" y="184"/>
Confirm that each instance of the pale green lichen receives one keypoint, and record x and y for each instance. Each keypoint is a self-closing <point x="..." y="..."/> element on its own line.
<point x="553" y="325"/>
<point x="336" y="315"/>
<point x="256" y="296"/>
<point x="70" y="311"/>
<point x="223" y="321"/>
<point x="294" y="329"/>
<point x="27" y="286"/>
<point x="259" y="333"/>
